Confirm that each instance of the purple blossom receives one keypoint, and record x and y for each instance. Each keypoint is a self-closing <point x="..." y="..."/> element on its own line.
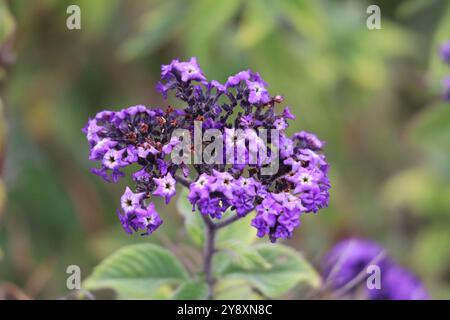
<point x="165" y="187"/>
<point x="446" y="89"/>
<point x="113" y="159"/>
<point x="309" y="140"/>
<point x="287" y="114"/>
<point x="146" y="219"/>
<point x="258" y="93"/>
<point x="444" y="52"/>
<point x="190" y="70"/>
<point x="131" y="201"/>
<point x="397" y="283"/>
<point x="348" y="260"/>
<point x="237" y="78"/>
<point x="100" y="148"/>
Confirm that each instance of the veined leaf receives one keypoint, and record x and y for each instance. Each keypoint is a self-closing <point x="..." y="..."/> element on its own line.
<point x="137" y="271"/>
<point x="191" y="290"/>
<point x="192" y="219"/>
<point x="287" y="269"/>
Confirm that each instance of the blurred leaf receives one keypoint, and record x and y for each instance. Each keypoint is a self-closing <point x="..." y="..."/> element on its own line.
<point x="288" y="269"/>
<point x="307" y="17"/>
<point x="221" y="261"/>
<point x="192" y="220"/>
<point x="137" y="271"/>
<point x="7" y="24"/>
<point x="235" y="289"/>
<point x="412" y="7"/>
<point x="431" y="251"/>
<point x="419" y="190"/>
<point x="436" y="68"/>
<point x="239" y="233"/>
<point x="191" y="290"/>
<point x="258" y="22"/>
<point x="247" y="257"/>
<point x="97" y="16"/>
<point x="155" y="29"/>
<point x="431" y="129"/>
<point x="206" y="18"/>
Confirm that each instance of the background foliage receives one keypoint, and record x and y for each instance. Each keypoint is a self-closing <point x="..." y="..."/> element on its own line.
<point x="372" y="95"/>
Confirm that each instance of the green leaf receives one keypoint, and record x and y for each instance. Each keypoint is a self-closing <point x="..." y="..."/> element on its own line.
<point x="234" y="235"/>
<point x="156" y="27"/>
<point x="433" y="243"/>
<point x="287" y="269"/>
<point x="7" y="23"/>
<point x="191" y="290"/>
<point x="137" y="272"/>
<point x="237" y="234"/>
<point x="235" y="289"/>
<point x="248" y="258"/>
<point x="192" y="219"/>
<point x="431" y="129"/>
<point x="422" y="192"/>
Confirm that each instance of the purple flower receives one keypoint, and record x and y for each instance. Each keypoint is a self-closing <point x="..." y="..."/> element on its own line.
<point x="286" y="147"/>
<point x="280" y="124"/>
<point x="258" y="93"/>
<point x="190" y="70"/>
<point x="219" y="87"/>
<point x="444" y="51"/>
<point x="113" y="159"/>
<point x="167" y="69"/>
<point x="446" y="89"/>
<point x="287" y="114"/>
<point x="147" y="219"/>
<point x="309" y="140"/>
<point x="349" y="258"/>
<point x="213" y="207"/>
<point x="261" y="226"/>
<point x="243" y="202"/>
<point x="100" y="148"/>
<point x="347" y="263"/>
<point x="165" y="187"/>
<point x="172" y="143"/>
<point x="237" y="78"/>
<point x="223" y="183"/>
<point x="131" y="201"/>
<point x="92" y="131"/>
<point x="397" y="283"/>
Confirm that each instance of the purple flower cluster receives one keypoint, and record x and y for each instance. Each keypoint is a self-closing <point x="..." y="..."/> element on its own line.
<point x="130" y="137"/>
<point x="349" y="259"/>
<point x="143" y="138"/>
<point x="444" y="51"/>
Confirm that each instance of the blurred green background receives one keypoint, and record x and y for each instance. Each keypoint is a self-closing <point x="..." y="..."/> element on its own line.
<point x="374" y="96"/>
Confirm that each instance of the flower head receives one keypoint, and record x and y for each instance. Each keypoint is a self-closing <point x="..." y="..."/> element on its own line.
<point x="144" y="140"/>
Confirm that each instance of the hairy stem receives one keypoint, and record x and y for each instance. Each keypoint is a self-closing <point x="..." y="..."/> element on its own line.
<point x="209" y="248"/>
<point x="208" y="254"/>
